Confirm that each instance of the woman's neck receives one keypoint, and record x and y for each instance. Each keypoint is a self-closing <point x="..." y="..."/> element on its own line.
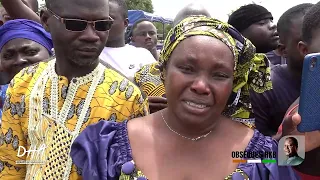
<point x="185" y="130"/>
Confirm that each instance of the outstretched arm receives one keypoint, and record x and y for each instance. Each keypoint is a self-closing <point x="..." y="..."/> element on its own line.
<point x="20" y="9"/>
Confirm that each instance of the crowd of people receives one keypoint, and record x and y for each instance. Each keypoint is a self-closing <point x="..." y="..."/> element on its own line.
<point x="85" y="100"/>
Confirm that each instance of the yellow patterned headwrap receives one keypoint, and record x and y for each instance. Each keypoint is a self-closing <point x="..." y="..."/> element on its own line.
<point x="251" y="70"/>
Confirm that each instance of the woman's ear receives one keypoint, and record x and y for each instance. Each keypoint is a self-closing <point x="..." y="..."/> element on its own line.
<point x="303" y="48"/>
<point x="1" y="69"/>
<point x="282" y="50"/>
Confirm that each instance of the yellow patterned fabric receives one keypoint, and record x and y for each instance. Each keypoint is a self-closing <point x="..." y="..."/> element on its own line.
<point x="149" y="81"/>
<point x="251" y="70"/>
<point x="43" y="109"/>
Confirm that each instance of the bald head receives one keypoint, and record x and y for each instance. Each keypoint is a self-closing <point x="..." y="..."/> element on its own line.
<point x="192" y="9"/>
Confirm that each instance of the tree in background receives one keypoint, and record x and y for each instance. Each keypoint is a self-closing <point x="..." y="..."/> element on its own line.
<point x="162" y="35"/>
<point x="145" y="5"/>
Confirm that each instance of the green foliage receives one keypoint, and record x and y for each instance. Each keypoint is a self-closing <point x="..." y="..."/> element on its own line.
<point x="167" y="27"/>
<point x="145" y="5"/>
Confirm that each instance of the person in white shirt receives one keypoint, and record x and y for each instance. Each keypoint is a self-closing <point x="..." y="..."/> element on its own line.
<point x="144" y="34"/>
<point x="124" y="58"/>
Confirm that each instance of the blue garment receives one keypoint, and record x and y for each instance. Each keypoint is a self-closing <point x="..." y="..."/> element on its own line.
<point x="275" y="59"/>
<point x="26" y="29"/>
<point x="101" y="150"/>
<point x="3" y="90"/>
<point x="271" y="106"/>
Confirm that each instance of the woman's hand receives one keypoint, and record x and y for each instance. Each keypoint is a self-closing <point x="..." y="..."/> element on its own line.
<point x="289" y="127"/>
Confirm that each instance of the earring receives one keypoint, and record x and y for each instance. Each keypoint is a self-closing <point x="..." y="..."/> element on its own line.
<point x="53" y="53"/>
<point x="162" y="76"/>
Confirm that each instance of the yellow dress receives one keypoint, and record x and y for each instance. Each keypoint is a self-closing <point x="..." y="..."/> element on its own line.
<point x="44" y="112"/>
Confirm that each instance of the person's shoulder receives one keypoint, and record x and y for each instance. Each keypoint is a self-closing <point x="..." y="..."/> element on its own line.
<point x="279" y="68"/>
<point x="122" y="95"/>
<point x="131" y="48"/>
<point x="102" y="130"/>
<point x="139" y="127"/>
<point x="270" y="53"/>
<point x="295" y="161"/>
<point x="28" y="75"/>
<point x="280" y="76"/>
<point x="33" y="69"/>
<point x="104" y="127"/>
<point x="141" y="50"/>
<point x="277" y="73"/>
<point x="148" y="70"/>
<point x="137" y="123"/>
<point x="299" y="158"/>
<point x="150" y="67"/>
<point x="137" y="51"/>
<point x="111" y="76"/>
<point x="101" y="146"/>
<point x="262" y="98"/>
<point x="141" y="53"/>
<point x="113" y="81"/>
<point x="260" y="142"/>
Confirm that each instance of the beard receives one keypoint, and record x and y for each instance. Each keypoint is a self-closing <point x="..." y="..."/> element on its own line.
<point x="83" y="61"/>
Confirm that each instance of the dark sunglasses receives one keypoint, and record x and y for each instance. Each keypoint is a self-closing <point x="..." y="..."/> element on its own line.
<point x="79" y="25"/>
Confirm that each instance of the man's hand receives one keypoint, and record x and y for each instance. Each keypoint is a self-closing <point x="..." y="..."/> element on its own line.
<point x="157" y="103"/>
<point x="289" y="127"/>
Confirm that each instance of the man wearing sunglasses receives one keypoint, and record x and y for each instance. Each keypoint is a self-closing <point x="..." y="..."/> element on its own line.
<point x="50" y="103"/>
